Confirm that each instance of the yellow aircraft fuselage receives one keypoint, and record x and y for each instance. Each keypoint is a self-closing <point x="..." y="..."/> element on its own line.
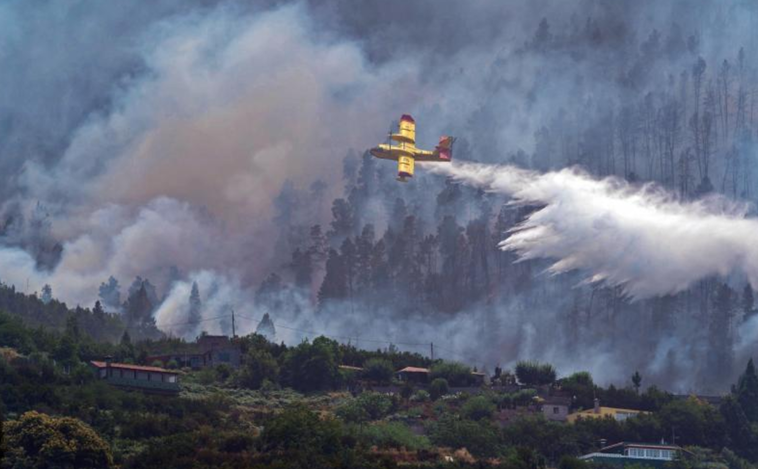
<point x="404" y="149"/>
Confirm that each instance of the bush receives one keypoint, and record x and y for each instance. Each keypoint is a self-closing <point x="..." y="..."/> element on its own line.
<point x="478" y="408"/>
<point x="378" y="370"/>
<point x="456" y="374"/>
<point x="258" y="366"/>
<point x="41" y="441"/>
<point x="438" y="388"/>
<point x="524" y="397"/>
<point x="406" y="391"/>
<point x="479" y="438"/>
<point x="312" y="366"/>
<point x="421" y="396"/>
<point x="367" y="406"/>
<point x="394" y="435"/>
<point x="299" y="437"/>
<point x="535" y="374"/>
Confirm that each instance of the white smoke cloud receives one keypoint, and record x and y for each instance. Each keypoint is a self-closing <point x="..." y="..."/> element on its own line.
<point x="640" y="238"/>
<point x="183" y="169"/>
<point x="145" y="241"/>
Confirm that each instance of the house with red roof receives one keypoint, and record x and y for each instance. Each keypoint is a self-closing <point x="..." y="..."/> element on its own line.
<point x="143" y="378"/>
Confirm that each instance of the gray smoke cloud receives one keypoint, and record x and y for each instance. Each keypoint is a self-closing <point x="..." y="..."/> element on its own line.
<point x="230" y="108"/>
<point x="153" y="139"/>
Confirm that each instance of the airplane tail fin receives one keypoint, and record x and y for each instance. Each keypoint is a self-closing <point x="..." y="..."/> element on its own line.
<point x="445" y="147"/>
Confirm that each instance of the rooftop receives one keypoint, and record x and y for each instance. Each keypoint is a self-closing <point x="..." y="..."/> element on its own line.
<point x="351" y="368"/>
<point x="126" y="366"/>
<point x="626" y="444"/>
<point x="555" y="400"/>
<point x="602" y="412"/>
<point x="413" y="369"/>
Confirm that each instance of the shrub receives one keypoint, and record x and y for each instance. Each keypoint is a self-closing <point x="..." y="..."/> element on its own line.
<point x="524" y="397"/>
<point x="534" y="373"/>
<point x="378" y="370"/>
<point x="367" y="406"/>
<point x="421" y="396"/>
<point x="299" y="437"/>
<point x="438" y="388"/>
<point x="406" y="391"/>
<point x="456" y="374"/>
<point x="394" y="435"/>
<point x="39" y="440"/>
<point x="259" y="366"/>
<point x="480" y="438"/>
<point x="311" y="366"/>
<point x="478" y="408"/>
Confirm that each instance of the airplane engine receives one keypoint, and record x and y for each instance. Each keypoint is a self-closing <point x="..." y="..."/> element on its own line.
<point x="404" y="168"/>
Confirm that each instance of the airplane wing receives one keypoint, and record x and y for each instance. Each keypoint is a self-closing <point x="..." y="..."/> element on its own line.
<point x="392" y="152"/>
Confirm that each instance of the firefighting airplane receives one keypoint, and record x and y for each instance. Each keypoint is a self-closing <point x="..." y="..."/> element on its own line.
<point x="405" y="151"/>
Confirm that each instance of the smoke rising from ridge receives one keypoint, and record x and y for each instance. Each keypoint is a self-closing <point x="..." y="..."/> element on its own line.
<point x="637" y="237"/>
<point x="183" y="149"/>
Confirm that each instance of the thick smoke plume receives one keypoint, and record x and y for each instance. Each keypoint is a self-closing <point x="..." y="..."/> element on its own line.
<point x="204" y="139"/>
<point x="639" y="237"/>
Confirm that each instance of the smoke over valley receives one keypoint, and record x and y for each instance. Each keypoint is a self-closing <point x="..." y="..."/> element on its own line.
<point x="599" y="215"/>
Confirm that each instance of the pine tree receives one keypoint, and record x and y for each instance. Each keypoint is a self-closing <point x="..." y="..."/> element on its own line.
<point x="302" y="266"/>
<point x="748" y="302"/>
<point x="747" y="392"/>
<point x="334" y="285"/>
<point x="637" y="381"/>
<point x="47" y="294"/>
<point x="348" y="255"/>
<point x="364" y="247"/>
<point x="317" y="248"/>
<point x="342" y="219"/>
<point x="195" y="306"/>
<point x="266" y="328"/>
<point x="110" y="293"/>
<point x="126" y="339"/>
<point x="98" y="311"/>
<point x="138" y="308"/>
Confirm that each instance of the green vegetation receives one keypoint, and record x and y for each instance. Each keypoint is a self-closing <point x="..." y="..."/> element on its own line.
<point x="438" y="388"/>
<point x="535" y="374"/>
<point x="456" y="374"/>
<point x="478" y="408"/>
<point x="378" y="370"/>
<point x="40" y="441"/>
<point x="288" y="407"/>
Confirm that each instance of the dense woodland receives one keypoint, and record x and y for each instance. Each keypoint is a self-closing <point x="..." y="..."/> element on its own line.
<point x="429" y="248"/>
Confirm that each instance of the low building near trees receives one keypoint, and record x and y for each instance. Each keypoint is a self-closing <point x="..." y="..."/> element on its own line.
<point x="641" y="454"/>
<point x="420" y="376"/>
<point x="142" y="378"/>
<point x="555" y="408"/>
<point x="208" y="351"/>
<point x="412" y="374"/>
<point x="478" y="378"/>
<point x="599" y="412"/>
